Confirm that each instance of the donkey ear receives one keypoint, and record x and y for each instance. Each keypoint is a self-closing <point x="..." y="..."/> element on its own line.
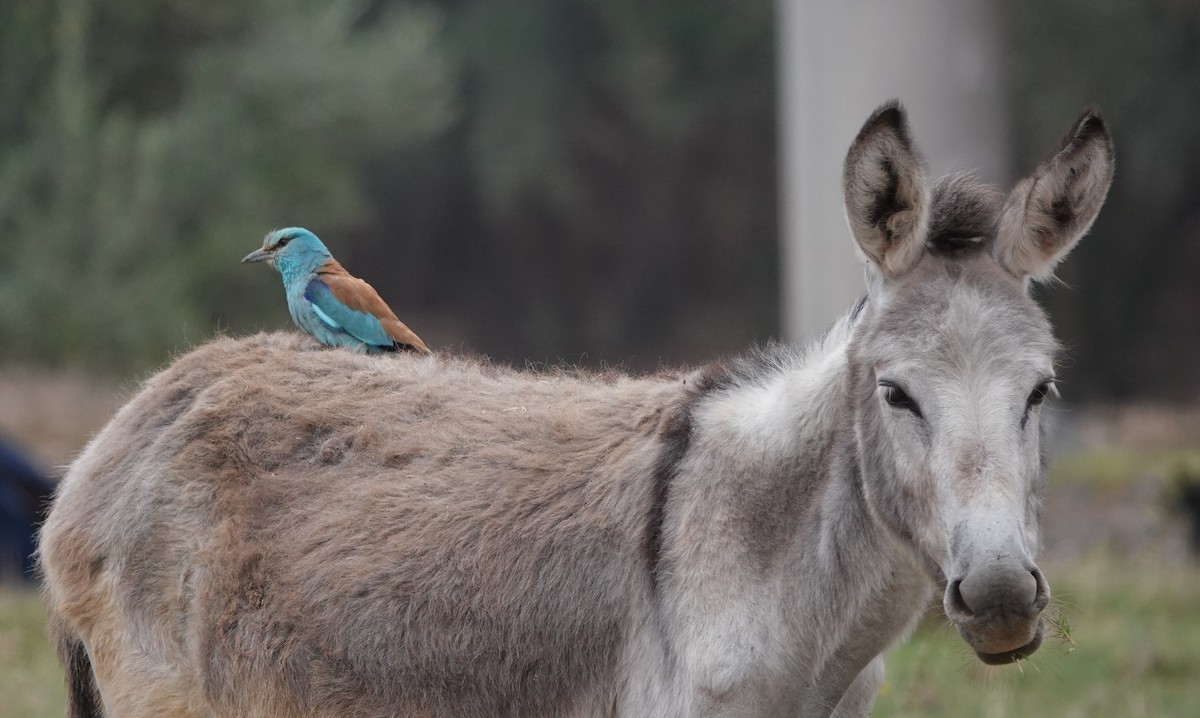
<point x="1048" y="212"/>
<point x="886" y="192"/>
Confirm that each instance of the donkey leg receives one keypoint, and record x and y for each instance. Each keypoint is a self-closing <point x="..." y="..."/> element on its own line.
<point x="130" y="694"/>
<point x="83" y="700"/>
<point x="136" y="678"/>
<point x="860" y="696"/>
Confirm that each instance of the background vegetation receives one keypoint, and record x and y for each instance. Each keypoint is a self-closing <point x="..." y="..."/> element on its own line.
<point x="1130" y="298"/>
<point x="1133" y="655"/>
<point x="549" y="179"/>
<point x="140" y="142"/>
<point x="588" y="181"/>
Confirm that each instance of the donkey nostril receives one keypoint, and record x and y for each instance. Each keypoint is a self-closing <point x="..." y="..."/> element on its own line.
<point x="955" y="598"/>
<point x="1042" y="597"/>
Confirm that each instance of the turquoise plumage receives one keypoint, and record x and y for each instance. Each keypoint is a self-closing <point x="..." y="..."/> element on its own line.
<point x="335" y="307"/>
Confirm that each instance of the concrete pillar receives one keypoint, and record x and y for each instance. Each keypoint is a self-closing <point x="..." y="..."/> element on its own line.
<point x="838" y="60"/>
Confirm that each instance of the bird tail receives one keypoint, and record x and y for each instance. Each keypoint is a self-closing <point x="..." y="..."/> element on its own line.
<point x="402" y="347"/>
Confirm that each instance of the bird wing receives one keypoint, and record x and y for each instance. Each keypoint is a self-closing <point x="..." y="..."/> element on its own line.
<point x="350" y="304"/>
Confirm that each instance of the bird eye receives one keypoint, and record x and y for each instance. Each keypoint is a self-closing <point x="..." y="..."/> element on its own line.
<point x="283" y="241"/>
<point x="899" y="399"/>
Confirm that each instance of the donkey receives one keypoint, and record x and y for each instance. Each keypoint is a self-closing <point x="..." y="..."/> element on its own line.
<point x="271" y="529"/>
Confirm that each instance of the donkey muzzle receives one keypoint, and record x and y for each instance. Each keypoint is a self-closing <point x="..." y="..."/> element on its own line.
<point x="997" y="608"/>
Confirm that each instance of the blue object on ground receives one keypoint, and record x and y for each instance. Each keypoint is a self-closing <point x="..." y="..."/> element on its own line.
<point x="24" y="498"/>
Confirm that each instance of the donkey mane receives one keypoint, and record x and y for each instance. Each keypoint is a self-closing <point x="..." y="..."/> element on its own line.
<point x="963" y="215"/>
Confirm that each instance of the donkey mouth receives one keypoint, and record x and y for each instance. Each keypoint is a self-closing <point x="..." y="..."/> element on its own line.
<point x="1016" y="654"/>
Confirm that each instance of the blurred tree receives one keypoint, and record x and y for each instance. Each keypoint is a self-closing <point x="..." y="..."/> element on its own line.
<point x="1132" y="297"/>
<point x="573" y="180"/>
<point x="553" y="179"/>
<point x="609" y="191"/>
<point x="131" y="183"/>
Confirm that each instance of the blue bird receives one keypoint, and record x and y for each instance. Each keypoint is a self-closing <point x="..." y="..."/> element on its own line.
<point x="335" y="307"/>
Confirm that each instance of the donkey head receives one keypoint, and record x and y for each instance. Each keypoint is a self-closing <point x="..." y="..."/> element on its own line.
<point x="951" y="360"/>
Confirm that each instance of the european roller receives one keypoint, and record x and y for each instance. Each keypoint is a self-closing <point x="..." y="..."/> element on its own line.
<point x="335" y="307"/>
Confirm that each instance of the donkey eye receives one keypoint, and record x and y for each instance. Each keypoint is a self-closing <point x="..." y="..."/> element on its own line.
<point x="1038" y="395"/>
<point x="899" y="399"/>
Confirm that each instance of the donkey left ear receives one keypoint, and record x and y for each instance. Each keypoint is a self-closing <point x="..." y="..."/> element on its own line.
<point x="1047" y="213"/>
<point x="886" y="192"/>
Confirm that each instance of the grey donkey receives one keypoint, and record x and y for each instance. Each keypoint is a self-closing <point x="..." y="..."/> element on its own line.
<point x="266" y="529"/>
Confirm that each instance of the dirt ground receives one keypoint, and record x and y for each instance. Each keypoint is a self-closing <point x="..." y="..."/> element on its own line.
<point x="1115" y="478"/>
<point x="51" y="415"/>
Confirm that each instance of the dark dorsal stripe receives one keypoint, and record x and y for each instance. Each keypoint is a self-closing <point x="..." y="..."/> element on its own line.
<point x="675" y="437"/>
<point x="857" y="310"/>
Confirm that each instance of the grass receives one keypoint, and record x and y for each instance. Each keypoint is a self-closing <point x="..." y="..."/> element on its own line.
<point x="1125" y="642"/>
<point x="1113" y="469"/>
<point x="31" y="682"/>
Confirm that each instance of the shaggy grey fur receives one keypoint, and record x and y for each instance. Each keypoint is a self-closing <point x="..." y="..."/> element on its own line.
<point x="272" y="529"/>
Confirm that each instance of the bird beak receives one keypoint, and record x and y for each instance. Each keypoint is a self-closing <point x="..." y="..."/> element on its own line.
<point x="257" y="255"/>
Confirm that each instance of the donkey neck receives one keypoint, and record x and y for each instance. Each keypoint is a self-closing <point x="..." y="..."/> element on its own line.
<point x="772" y="460"/>
<point x="772" y="475"/>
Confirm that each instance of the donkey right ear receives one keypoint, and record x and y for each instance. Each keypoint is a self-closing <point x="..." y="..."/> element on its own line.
<point x="886" y="192"/>
<point x="1048" y="212"/>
